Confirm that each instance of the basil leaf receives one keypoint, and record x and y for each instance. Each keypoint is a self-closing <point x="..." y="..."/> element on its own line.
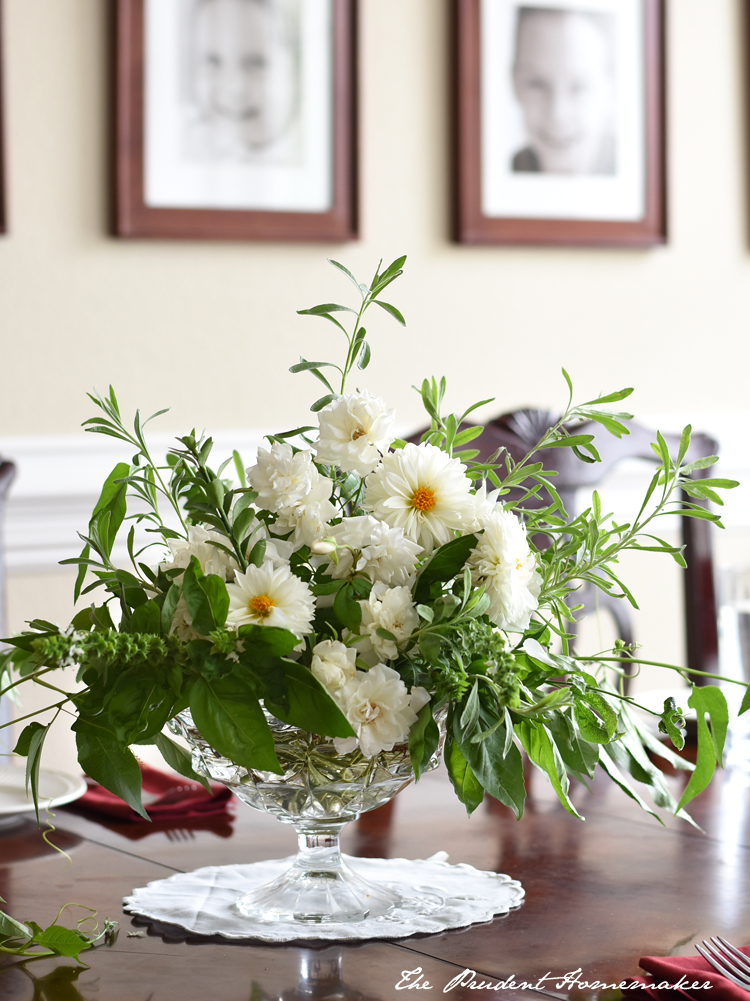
<point x="310" y="706"/>
<point x="468" y="788"/>
<point x="109" y="763"/>
<point x="424" y="738"/>
<point x="229" y="716"/>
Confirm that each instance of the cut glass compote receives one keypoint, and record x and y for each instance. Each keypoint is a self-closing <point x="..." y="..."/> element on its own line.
<point x="319" y="792"/>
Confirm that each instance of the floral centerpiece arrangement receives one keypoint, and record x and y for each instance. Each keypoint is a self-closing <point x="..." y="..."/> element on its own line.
<point x="375" y="595"/>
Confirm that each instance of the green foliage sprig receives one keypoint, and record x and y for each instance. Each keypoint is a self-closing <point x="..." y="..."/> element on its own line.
<point x="28" y="940"/>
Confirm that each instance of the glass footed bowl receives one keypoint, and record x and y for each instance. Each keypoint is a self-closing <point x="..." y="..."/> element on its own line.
<point x="318" y="793"/>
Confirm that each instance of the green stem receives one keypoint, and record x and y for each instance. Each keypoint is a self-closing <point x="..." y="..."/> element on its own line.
<point x="37" y="712"/>
<point x="671" y="667"/>
<point x="28" y="677"/>
<point x="349" y="359"/>
<point x="22" y="951"/>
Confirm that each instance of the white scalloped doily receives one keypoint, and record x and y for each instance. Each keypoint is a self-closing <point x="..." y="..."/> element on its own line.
<point x="438" y="896"/>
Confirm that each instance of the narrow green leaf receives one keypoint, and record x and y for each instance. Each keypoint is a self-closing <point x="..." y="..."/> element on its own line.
<point x="395" y="313"/>
<point x="346" y="271"/>
<point x="470" y="712"/>
<point x="323" y="402"/>
<point x="364" y="358"/>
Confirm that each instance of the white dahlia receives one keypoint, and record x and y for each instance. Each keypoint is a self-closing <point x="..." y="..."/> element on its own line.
<point x="268" y="596"/>
<point x="333" y="664"/>
<point x="420" y="489"/>
<point x="485" y="505"/>
<point x="366" y="545"/>
<point x="380" y="709"/>
<point x="503" y="562"/>
<point x="354" y="431"/>
<point x="388" y="608"/>
<point x="290" y="486"/>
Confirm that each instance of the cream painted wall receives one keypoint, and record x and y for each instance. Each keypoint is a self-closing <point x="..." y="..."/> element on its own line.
<point x="210" y="329"/>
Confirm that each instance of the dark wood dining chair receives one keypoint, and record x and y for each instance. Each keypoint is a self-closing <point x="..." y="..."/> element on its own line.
<point x="519" y="431"/>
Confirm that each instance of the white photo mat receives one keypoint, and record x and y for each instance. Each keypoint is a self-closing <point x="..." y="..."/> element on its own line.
<point x="296" y="176"/>
<point x="507" y="194"/>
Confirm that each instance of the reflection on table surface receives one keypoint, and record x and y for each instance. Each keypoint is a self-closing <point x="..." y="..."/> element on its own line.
<point x="599" y="894"/>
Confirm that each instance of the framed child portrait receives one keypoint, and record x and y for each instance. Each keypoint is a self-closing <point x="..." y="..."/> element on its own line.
<point x="560" y="122"/>
<point x="235" y="119"/>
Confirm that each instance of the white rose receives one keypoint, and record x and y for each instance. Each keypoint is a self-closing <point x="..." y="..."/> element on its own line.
<point x="200" y="543"/>
<point x="503" y="562"/>
<point x="380" y="709"/>
<point x="388" y="608"/>
<point x="333" y="664"/>
<point x="290" y="486"/>
<point x="369" y="546"/>
<point x="354" y="431"/>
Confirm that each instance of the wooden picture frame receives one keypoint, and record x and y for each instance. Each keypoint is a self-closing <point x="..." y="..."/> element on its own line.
<point x="627" y="208"/>
<point x="137" y="214"/>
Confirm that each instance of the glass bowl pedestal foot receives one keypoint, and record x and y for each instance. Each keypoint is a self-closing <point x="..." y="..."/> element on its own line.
<point x="319" y="888"/>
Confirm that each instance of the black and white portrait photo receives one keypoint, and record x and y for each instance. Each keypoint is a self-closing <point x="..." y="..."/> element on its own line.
<point x="242" y="80"/>
<point x="238" y="104"/>
<point x="564" y="79"/>
<point x="563" y="109"/>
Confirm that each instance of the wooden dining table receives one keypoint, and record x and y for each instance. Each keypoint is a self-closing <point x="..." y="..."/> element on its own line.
<point x="599" y="894"/>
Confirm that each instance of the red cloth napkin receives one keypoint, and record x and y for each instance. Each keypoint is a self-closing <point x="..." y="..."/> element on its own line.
<point x="686" y="971"/>
<point x="174" y="799"/>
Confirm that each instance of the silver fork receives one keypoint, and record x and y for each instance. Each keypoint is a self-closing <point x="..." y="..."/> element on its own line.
<point x="727" y="960"/>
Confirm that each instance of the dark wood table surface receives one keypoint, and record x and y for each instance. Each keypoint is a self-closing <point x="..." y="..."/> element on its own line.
<point x="599" y="894"/>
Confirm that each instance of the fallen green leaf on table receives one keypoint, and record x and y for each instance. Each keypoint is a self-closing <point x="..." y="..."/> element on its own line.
<point x="30" y="941"/>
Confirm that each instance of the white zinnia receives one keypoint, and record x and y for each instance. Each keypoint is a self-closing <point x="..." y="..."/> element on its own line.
<point x="333" y="664"/>
<point x="268" y="596"/>
<point x="366" y="545"/>
<point x="290" y="486"/>
<point x="354" y="431"/>
<point x="380" y="709"/>
<point x="389" y="608"/>
<point x="503" y="562"/>
<point x="422" y="490"/>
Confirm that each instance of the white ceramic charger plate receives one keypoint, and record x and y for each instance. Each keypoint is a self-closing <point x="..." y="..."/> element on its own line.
<point x="55" y="789"/>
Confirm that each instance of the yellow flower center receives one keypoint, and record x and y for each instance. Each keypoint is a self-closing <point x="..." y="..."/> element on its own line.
<point x="359" y="433"/>
<point x="519" y="565"/>
<point x="423" y="500"/>
<point x="261" y="606"/>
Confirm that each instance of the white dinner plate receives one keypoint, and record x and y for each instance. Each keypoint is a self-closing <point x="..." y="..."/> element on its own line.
<point x="55" y="789"/>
